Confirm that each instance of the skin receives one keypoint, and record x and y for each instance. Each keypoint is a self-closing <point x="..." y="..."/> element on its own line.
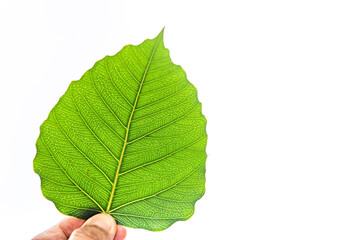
<point x="99" y="227"/>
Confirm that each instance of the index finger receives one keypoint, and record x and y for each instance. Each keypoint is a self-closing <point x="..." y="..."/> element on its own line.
<point x="62" y="230"/>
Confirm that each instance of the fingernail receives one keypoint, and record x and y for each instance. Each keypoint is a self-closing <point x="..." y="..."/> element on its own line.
<point x="103" y="221"/>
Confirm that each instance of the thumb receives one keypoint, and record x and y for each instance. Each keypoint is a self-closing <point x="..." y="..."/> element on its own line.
<point x="99" y="227"/>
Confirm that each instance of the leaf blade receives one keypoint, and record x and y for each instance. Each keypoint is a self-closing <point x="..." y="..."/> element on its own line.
<point x="126" y="141"/>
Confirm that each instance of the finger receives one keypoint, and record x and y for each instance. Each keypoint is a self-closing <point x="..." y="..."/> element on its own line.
<point x="99" y="227"/>
<point x="120" y="233"/>
<point x="70" y="224"/>
<point x="62" y="230"/>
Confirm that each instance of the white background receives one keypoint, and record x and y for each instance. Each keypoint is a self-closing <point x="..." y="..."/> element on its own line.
<point x="280" y="87"/>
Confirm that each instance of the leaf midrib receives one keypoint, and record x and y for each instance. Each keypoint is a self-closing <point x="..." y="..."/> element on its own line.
<point x="128" y="126"/>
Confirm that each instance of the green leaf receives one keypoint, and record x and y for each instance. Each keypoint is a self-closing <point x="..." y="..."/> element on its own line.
<point x="127" y="139"/>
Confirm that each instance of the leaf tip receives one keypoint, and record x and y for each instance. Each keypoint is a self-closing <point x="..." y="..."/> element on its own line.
<point x="161" y="34"/>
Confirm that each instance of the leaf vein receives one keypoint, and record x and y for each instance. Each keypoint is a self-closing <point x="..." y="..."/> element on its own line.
<point x="163" y="99"/>
<point x="164" y="190"/>
<point x="93" y="133"/>
<point x="112" y="82"/>
<point x="76" y="147"/>
<point x="67" y="175"/>
<point x="166" y="125"/>
<point x="164" y="157"/>
<point x="92" y="81"/>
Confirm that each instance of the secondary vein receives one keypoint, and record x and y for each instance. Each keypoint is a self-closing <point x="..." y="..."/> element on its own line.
<point x="68" y="176"/>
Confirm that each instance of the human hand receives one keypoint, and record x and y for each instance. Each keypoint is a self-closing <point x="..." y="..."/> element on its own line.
<point x="99" y="227"/>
